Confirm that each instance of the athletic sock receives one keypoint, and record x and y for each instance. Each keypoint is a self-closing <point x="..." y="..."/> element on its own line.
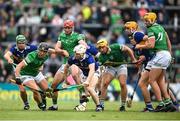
<point x="175" y="103"/>
<point x="149" y="105"/>
<point x="123" y="103"/>
<point x="102" y="102"/>
<point x="26" y="103"/>
<point x="54" y="101"/>
<point x="161" y="103"/>
<point x="167" y="101"/>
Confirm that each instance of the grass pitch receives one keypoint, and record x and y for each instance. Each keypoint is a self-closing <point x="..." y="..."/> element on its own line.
<point x="12" y="110"/>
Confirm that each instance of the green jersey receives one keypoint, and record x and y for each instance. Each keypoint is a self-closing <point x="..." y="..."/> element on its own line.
<point x="159" y="33"/>
<point x="115" y="54"/>
<point x="68" y="42"/>
<point x="33" y="64"/>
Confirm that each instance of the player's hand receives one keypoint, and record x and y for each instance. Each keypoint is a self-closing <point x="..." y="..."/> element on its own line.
<point x="86" y="83"/>
<point x="18" y="81"/>
<point x="133" y="42"/>
<point x="172" y="60"/>
<point x="10" y="61"/>
<point x="65" y="53"/>
<point x="138" y="46"/>
<point x="64" y="85"/>
<point x="140" y="61"/>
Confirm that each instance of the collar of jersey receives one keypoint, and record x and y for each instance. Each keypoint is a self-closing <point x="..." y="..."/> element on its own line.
<point x="70" y="34"/>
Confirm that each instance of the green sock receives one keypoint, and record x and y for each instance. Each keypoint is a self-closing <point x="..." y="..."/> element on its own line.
<point x="161" y="103"/>
<point x="54" y="101"/>
<point x="167" y="101"/>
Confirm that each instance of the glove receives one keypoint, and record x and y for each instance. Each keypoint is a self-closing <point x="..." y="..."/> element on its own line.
<point x="18" y="81"/>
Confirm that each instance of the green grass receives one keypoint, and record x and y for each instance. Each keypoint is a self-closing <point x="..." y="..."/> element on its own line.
<point x="12" y="110"/>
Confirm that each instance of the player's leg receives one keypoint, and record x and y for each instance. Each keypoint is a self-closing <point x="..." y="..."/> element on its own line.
<point x="43" y="84"/>
<point x="78" y="76"/>
<point x="23" y="95"/>
<point x="31" y="83"/>
<point x="143" y="84"/>
<point x="167" y="100"/>
<point x="75" y="72"/>
<point x="153" y="76"/>
<point x="92" y="91"/>
<point x="58" y="78"/>
<point x="173" y="98"/>
<point x="107" y="76"/>
<point x="158" y="63"/>
<point x="122" y="77"/>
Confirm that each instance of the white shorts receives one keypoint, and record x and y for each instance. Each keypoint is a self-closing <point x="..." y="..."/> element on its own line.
<point x="38" y="78"/>
<point x="116" y="71"/>
<point x="61" y="68"/>
<point x="161" y="60"/>
<point x="83" y="77"/>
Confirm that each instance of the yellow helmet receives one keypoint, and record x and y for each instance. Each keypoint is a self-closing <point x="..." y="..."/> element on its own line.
<point x="151" y="17"/>
<point x="131" y="25"/>
<point x="101" y="43"/>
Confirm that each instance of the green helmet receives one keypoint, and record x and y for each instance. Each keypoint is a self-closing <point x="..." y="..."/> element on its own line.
<point x="43" y="46"/>
<point x="20" y="39"/>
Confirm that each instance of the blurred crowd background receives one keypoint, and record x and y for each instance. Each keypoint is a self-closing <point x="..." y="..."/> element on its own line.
<point x="42" y="20"/>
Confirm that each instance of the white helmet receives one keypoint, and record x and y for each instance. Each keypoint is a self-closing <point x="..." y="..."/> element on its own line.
<point x="81" y="49"/>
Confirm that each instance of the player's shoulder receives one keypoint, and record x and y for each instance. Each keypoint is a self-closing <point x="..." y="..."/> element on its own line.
<point x="13" y="46"/>
<point x="115" y="46"/>
<point x="62" y="34"/>
<point x="30" y="46"/>
<point x="33" y="53"/>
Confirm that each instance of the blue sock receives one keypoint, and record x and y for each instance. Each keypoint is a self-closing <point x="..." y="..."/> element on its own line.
<point x="102" y="103"/>
<point x="149" y="105"/>
<point x="26" y="103"/>
<point x="175" y="103"/>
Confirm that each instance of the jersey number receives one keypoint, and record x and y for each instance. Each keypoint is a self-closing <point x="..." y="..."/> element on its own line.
<point x="160" y="36"/>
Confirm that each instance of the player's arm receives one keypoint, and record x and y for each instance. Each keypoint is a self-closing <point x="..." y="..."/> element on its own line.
<point x="169" y="43"/>
<point x="129" y="51"/>
<point x="7" y="56"/>
<point x="82" y="42"/>
<point x="51" y="51"/>
<point x="147" y="43"/>
<point x="90" y="74"/>
<point x="60" y="51"/>
<point x="21" y="65"/>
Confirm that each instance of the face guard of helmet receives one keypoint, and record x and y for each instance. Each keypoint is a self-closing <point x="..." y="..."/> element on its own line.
<point x="21" y="42"/>
<point x="80" y="51"/>
<point x="43" y="47"/>
<point x="131" y="27"/>
<point x="150" y="18"/>
<point x="21" y="39"/>
<point x="102" y="43"/>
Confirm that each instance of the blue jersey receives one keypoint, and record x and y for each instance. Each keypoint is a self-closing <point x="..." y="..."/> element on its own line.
<point x="84" y="63"/>
<point x="18" y="55"/>
<point x="138" y="37"/>
<point x="92" y="50"/>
